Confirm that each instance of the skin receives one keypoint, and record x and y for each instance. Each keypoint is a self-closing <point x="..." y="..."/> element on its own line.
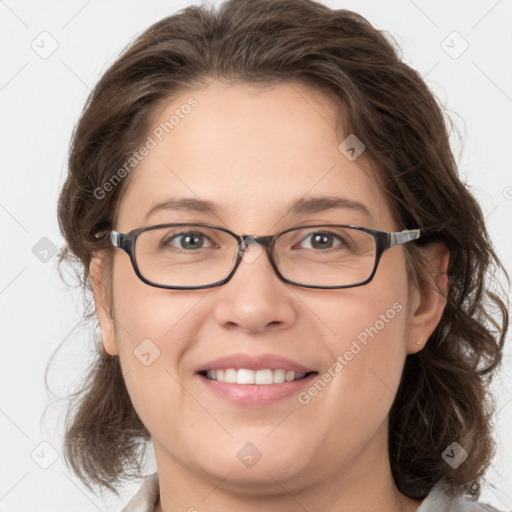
<point x="252" y="151"/>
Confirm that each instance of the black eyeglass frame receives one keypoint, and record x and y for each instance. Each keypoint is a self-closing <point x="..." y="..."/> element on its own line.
<point x="383" y="240"/>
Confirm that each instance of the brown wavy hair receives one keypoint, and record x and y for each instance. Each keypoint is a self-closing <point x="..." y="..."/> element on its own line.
<point x="443" y="396"/>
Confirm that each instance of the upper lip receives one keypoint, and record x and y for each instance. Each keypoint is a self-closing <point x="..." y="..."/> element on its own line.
<point x="254" y="362"/>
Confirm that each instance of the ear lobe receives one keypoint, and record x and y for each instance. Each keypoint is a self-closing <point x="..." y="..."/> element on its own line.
<point x="427" y="302"/>
<point x="98" y="284"/>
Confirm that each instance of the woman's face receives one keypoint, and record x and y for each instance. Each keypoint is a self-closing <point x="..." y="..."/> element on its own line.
<point x="252" y="153"/>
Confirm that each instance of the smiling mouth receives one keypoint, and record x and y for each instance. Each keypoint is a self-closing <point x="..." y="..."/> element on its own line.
<point x="245" y="376"/>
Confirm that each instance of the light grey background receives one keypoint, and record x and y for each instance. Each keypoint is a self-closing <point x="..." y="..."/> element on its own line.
<point x="41" y="96"/>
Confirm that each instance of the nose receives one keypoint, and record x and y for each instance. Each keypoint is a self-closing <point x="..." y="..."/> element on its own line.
<point x="255" y="299"/>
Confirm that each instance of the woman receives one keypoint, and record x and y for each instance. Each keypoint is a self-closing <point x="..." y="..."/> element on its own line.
<point x="291" y="281"/>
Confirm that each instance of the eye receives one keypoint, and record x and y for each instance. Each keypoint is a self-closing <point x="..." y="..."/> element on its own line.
<point x="187" y="240"/>
<point x="322" y="240"/>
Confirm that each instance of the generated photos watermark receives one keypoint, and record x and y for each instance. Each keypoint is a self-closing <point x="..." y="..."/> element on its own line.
<point x="150" y="143"/>
<point x="357" y="345"/>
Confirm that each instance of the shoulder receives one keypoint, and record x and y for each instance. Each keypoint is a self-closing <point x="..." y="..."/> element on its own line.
<point x="440" y="499"/>
<point x="146" y="498"/>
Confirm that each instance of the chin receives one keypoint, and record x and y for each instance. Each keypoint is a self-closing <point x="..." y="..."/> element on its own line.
<point x="244" y="464"/>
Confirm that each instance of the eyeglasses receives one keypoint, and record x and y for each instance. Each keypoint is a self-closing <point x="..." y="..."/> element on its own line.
<point x="194" y="256"/>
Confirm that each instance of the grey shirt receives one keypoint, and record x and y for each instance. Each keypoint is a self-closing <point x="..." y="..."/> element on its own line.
<point x="438" y="500"/>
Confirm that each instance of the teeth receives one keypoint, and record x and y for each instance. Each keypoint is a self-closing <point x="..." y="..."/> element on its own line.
<point x="244" y="376"/>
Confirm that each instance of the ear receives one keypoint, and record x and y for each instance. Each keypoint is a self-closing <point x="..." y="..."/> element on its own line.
<point x="427" y="304"/>
<point x="98" y="283"/>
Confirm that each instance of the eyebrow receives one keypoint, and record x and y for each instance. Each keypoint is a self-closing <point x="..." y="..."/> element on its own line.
<point x="298" y="207"/>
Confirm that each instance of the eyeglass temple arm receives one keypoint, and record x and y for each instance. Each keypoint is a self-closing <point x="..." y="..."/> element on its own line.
<point x="401" y="237"/>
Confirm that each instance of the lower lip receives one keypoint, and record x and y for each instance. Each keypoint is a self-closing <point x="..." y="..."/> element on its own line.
<point x="251" y="395"/>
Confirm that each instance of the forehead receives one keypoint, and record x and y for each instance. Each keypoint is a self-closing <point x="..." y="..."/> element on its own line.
<point x="252" y="152"/>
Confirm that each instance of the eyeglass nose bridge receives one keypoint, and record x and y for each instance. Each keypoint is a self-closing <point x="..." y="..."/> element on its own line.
<point x="243" y="243"/>
<point x="246" y="240"/>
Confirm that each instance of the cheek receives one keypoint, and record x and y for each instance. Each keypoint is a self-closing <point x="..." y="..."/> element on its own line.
<point x="366" y="341"/>
<point x="146" y="318"/>
<point x="376" y="354"/>
<point x="376" y="348"/>
<point x="355" y="392"/>
<point x="370" y="349"/>
<point x="146" y="312"/>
